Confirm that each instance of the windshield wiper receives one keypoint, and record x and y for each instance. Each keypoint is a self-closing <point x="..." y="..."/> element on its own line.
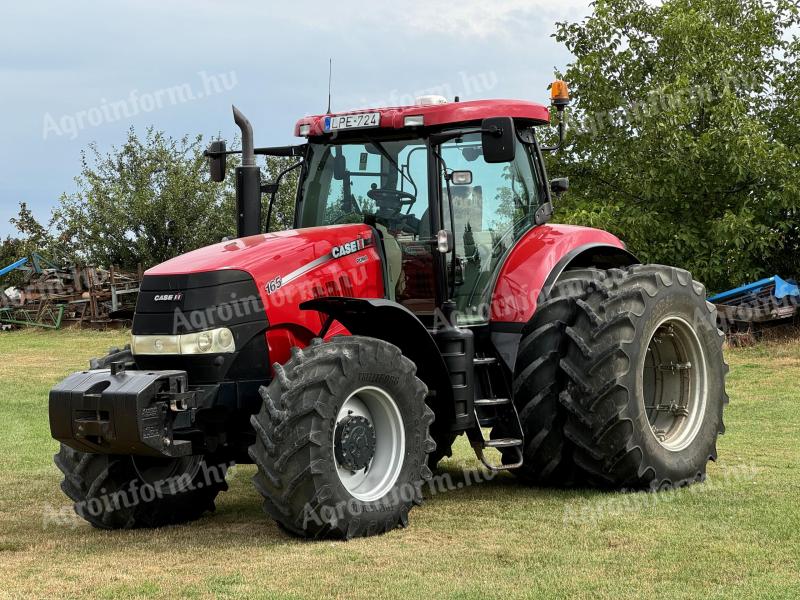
<point x="388" y="157"/>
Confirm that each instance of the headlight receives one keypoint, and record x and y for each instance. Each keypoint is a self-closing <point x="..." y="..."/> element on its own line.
<point x="215" y="341"/>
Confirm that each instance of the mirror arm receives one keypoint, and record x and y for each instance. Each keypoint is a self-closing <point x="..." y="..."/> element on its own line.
<point x="557" y="147"/>
<point x="446" y="136"/>
<point x="266" y="151"/>
<point x="272" y="190"/>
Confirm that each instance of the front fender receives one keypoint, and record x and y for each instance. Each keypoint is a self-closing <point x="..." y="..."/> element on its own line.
<point x="394" y="323"/>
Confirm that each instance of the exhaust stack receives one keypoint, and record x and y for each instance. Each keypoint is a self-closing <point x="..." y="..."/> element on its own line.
<point x="248" y="182"/>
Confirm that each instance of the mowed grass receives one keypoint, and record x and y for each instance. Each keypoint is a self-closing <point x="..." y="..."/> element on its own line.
<point x="737" y="535"/>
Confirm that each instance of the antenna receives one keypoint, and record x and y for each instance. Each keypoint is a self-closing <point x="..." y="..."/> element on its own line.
<point x="330" y="74"/>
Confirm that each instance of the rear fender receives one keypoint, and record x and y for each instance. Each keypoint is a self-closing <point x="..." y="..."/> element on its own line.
<point x="532" y="268"/>
<point x="535" y="262"/>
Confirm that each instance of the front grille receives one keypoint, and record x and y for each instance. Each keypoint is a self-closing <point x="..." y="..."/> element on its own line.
<point x="178" y="304"/>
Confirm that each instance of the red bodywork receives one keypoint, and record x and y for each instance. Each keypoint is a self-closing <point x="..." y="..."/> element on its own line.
<point x="532" y="259"/>
<point x="452" y="113"/>
<point x="291" y="267"/>
<point x="343" y="260"/>
<point x="271" y="258"/>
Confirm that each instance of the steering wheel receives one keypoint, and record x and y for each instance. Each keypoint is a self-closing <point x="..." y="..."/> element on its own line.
<point x="390" y="198"/>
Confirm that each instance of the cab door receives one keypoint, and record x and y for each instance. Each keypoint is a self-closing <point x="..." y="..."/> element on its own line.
<point x="489" y="216"/>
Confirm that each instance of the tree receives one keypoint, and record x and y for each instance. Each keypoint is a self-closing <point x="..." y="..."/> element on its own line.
<point x="283" y="210"/>
<point x="680" y="142"/>
<point x="144" y="202"/>
<point x="31" y="236"/>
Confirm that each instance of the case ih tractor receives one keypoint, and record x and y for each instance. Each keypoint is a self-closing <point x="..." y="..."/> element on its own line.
<point x="421" y="295"/>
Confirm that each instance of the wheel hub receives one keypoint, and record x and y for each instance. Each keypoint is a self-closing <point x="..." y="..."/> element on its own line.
<point x="368" y="445"/>
<point x="675" y="384"/>
<point x="354" y="442"/>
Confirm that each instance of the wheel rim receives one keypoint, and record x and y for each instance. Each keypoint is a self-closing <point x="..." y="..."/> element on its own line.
<point x="674" y="382"/>
<point x="381" y="412"/>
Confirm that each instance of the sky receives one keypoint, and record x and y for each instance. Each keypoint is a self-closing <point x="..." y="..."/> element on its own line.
<point x="73" y="73"/>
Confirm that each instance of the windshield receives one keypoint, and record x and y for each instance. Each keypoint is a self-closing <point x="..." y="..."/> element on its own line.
<point x="384" y="183"/>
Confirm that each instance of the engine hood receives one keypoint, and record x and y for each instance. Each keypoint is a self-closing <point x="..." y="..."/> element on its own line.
<point x="290" y="267"/>
<point x="257" y="254"/>
<point x="264" y="253"/>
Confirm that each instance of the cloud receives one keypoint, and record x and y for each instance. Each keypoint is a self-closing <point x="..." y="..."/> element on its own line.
<point x="483" y="19"/>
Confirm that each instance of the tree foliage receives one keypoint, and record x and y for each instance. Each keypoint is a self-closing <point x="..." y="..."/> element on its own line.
<point x="31" y="237"/>
<point x="283" y="210"/>
<point x="150" y="199"/>
<point x="685" y="131"/>
<point x="143" y="203"/>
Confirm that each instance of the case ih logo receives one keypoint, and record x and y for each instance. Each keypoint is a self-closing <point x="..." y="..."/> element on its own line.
<point x="273" y="285"/>
<point x="176" y="297"/>
<point x="348" y="248"/>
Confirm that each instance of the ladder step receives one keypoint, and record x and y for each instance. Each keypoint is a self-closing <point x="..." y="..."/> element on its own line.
<point x="492" y="401"/>
<point x="503" y="443"/>
<point x="488" y="360"/>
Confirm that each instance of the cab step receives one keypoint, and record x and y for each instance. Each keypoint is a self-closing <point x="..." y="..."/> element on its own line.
<point x="492" y="401"/>
<point x="481" y="361"/>
<point x="503" y="443"/>
<point x="491" y="409"/>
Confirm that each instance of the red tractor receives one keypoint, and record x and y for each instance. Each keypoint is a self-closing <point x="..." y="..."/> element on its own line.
<point x="422" y="294"/>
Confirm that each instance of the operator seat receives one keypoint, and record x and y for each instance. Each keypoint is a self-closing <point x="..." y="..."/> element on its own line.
<point x="394" y="260"/>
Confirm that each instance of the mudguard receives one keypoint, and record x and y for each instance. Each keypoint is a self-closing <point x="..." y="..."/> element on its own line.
<point x="394" y="323"/>
<point x="534" y="263"/>
<point x="533" y="266"/>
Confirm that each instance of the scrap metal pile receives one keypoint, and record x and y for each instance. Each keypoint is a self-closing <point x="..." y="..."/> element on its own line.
<point x="50" y="296"/>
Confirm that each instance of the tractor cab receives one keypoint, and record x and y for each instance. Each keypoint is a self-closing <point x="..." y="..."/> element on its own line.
<point x="451" y="187"/>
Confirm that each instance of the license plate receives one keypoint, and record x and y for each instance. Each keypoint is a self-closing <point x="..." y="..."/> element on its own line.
<point x="357" y="121"/>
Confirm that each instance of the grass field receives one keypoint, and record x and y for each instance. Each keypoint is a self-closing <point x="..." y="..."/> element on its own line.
<point x="737" y="535"/>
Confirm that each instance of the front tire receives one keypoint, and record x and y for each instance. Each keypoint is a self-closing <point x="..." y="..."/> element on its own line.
<point x="342" y="439"/>
<point x="127" y="492"/>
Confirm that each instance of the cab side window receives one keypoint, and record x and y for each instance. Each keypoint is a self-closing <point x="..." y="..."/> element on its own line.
<point x="489" y="216"/>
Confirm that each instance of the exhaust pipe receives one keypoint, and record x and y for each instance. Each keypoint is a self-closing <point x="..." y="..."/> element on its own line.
<point x="248" y="182"/>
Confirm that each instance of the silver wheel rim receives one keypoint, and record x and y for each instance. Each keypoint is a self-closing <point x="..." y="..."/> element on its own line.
<point x="674" y="383"/>
<point x="380" y="476"/>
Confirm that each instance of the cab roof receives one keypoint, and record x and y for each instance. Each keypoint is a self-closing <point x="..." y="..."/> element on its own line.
<point x="434" y="115"/>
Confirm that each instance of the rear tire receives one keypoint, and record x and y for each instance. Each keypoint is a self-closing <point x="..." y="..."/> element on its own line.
<point x="304" y="487"/>
<point x="646" y="380"/>
<point x="538" y="382"/>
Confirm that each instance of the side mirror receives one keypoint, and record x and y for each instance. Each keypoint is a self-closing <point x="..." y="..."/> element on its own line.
<point x="461" y="177"/>
<point x="339" y="167"/>
<point x="216" y="160"/>
<point x="559" y="186"/>
<point x="444" y="241"/>
<point x="499" y="139"/>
